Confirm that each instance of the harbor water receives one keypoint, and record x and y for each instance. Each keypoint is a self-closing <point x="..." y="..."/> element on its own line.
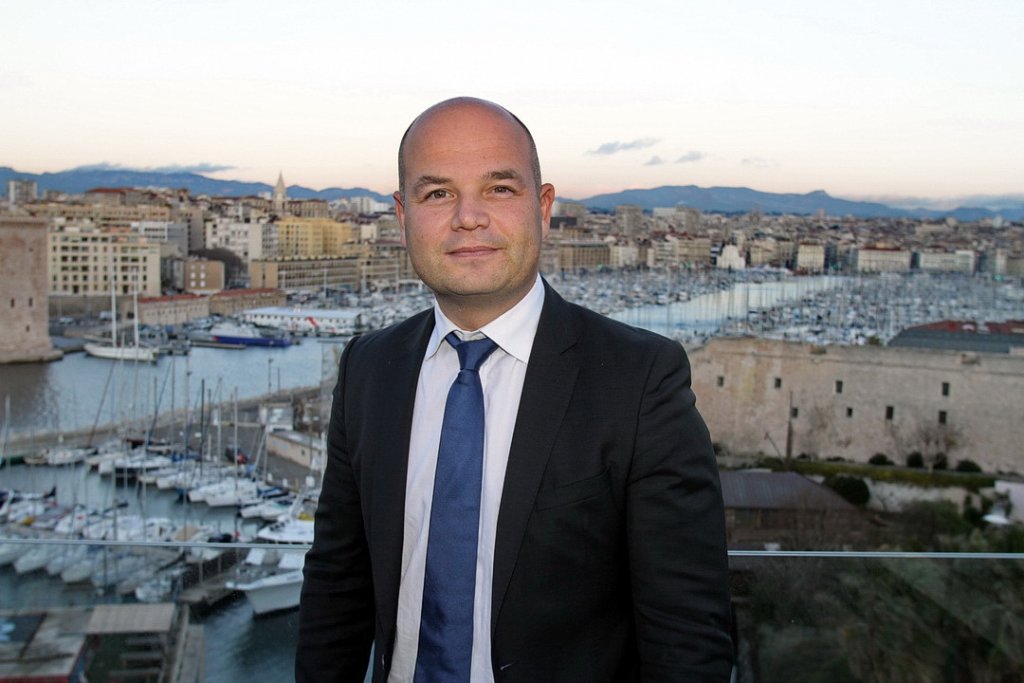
<point x="79" y="391"/>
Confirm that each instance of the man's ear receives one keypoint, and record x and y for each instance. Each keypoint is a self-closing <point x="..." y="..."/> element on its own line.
<point x="400" y="214"/>
<point x="547" y="198"/>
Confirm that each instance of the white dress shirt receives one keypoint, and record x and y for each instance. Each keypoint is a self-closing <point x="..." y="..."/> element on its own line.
<point x="501" y="377"/>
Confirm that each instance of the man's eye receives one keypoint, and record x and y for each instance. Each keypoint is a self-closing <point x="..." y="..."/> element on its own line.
<point x="502" y="189"/>
<point x="437" y="194"/>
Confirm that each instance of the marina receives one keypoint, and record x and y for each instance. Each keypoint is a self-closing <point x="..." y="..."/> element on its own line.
<point x="241" y="577"/>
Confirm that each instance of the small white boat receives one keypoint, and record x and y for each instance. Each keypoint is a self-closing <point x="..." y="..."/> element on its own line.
<point x="61" y="455"/>
<point x="33" y="560"/>
<point x="9" y="552"/>
<point x="65" y="558"/>
<point x="277" y="591"/>
<point x="139" y="353"/>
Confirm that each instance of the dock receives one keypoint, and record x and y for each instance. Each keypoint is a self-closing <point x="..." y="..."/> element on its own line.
<point x="124" y="643"/>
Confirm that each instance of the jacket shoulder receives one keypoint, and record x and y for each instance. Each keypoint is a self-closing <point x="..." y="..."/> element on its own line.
<point x="391" y="339"/>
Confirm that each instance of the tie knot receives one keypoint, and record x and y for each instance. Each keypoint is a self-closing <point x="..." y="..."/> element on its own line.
<point x="472" y="352"/>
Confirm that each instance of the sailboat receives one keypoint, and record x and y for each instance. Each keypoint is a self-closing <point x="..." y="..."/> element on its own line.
<point x="117" y="351"/>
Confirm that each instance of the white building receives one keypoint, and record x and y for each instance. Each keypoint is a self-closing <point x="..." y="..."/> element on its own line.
<point x="882" y="260"/>
<point x="959" y="261"/>
<point x="730" y="258"/>
<point x="810" y="258"/>
<point x="165" y="232"/>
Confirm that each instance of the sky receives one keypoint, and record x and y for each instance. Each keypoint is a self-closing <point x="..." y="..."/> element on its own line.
<point x="892" y="99"/>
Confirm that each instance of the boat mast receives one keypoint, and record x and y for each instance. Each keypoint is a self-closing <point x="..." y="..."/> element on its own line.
<point x="113" y="302"/>
<point x="135" y="306"/>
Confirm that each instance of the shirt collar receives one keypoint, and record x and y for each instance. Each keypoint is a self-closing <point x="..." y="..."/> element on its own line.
<point x="513" y="330"/>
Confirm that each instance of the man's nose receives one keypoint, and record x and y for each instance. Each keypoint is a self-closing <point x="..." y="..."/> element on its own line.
<point x="470" y="214"/>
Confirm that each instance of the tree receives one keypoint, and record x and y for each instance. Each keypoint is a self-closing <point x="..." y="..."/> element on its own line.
<point x="853" y="489"/>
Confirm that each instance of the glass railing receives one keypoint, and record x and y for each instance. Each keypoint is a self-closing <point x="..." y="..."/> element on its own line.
<point x="224" y="612"/>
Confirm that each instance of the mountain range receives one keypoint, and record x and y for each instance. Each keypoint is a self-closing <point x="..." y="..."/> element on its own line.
<point x="706" y="199"/>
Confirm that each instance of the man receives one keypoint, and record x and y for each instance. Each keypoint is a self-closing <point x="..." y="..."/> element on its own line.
<point x="594" y="525"/>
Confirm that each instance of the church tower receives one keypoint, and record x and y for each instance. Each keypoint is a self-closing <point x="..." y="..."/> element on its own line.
<point x="280" y="195"/>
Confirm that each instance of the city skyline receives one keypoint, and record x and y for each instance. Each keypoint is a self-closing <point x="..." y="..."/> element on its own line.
<point x="895" y="100"/>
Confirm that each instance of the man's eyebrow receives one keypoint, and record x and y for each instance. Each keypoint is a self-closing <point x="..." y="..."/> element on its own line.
<point x="504" y="174"/>
<point x="425" y="180"/>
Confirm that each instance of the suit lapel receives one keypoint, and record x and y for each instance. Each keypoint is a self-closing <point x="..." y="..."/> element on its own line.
<point x="547" y="389"/>
<point x="398" y="379"/>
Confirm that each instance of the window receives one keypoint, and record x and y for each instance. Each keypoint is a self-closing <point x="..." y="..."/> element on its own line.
<point x="778" y="382"/>
<point x="719" y="382"/>
<point x="839" y="386"/>
<point x="942" y="417"/>
<point x="794" y="413"/>
<point x="889" y="412"/>
<point x="945" y="388"/>
<point x="849" y="412"/>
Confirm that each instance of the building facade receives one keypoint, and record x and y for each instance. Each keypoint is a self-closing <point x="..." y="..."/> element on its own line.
<point x="233" y="301"/>
<point x="810" y="258"/>
<point x="24" y="335"/>
<point x="882" y="260"/>
<point x="89" y="261"/>
<point x="770" y="397"/>
<point x="173" y="310"/>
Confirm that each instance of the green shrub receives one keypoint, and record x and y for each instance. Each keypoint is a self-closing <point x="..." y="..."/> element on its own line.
<point x="915" y="460"/>
<point x="880" y="459"/>
<point x="941" y="462"/>
<point x="967" y="466"/>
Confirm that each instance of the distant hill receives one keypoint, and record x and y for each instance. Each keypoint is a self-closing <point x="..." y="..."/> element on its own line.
<point x="743" y="200"/>
<point x="707" y="199"/>
<point x="77" y="181"/>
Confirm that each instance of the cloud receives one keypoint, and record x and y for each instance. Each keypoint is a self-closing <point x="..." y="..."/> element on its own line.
<point x="692" y="155"/>
<point x="759" y="162"/>
<point x="615" y="147"/>
<point x="201" y="167"/>
<point x="654" y="161"/>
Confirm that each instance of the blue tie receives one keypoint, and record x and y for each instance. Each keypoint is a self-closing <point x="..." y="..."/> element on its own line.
<point x="446" y="625"/>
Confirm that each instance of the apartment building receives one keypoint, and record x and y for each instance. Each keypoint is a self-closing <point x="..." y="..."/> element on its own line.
<point x="105" y="215"/>
<point x="202" y="276"/>
<point x="21" y="191"/>
<point x="85" y="260"/>
<point x="583" y="254"/>
<point x="309" y="237"/>
<point x="882" y="260"/>
<point x="810" y="258"/>
<point x="959" y="261"/>
<point x="247" y="240"/>
<point x="355" y="273"/>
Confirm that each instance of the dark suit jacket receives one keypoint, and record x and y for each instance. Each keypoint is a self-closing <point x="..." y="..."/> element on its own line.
<point x="610" y="558"/>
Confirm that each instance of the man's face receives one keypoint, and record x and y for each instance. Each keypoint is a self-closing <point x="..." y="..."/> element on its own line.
<point x="472" y="216"/>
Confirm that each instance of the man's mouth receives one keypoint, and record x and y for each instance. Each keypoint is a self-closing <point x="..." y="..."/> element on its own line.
<point x="476" y="250"/>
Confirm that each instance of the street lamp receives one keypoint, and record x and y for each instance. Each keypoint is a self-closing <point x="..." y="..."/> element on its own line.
<point x="270" y="385"/>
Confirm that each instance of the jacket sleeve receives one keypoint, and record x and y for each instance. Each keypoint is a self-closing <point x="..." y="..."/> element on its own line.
<point x="336" y="613"/>
<point x="676" y="534"/>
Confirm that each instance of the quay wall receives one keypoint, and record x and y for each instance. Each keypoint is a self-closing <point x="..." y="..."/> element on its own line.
<point x="167" y="422"/>
<point x="768" y="397"/>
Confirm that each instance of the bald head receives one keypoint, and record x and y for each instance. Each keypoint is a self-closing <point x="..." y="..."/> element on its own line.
<point x="453" y="106"/>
